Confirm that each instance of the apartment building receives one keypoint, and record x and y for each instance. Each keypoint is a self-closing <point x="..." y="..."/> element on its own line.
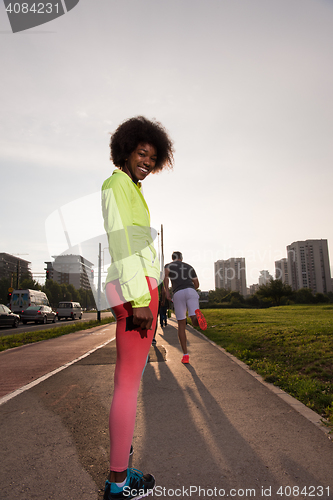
<point x="264" y="278"/>
<point x="281" y="270"/>
<point x="309" y="266"/>
<point x="13" y="268"/>
<point x="230" y="274"/>
<point x="253" y="289"/>
<point x="72" y="270"/>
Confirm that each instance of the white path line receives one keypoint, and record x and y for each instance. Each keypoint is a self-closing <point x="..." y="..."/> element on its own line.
<point x="24" y="388"/>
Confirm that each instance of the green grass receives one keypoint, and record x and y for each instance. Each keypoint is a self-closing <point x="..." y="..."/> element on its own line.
<point x="9" y="341"/>
<point x="290" y="346"/>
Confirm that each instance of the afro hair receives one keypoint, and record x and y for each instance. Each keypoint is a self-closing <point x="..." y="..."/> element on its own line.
<point x="138" y="130"/>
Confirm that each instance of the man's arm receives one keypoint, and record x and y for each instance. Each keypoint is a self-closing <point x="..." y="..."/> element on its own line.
<point x="166" y="283"/>
<point x="195" y="282"/>
<point x="194" y="278"/>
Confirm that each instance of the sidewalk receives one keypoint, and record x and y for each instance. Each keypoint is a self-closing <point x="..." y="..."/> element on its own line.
<point x="205" y="430"/>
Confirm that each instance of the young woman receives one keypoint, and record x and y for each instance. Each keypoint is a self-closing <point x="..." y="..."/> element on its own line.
<point x="138" y="147"/>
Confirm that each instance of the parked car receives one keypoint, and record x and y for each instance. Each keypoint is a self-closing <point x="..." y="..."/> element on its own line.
<point x="38" y="314"/>
<point x="7" y="318"/>
<point x="70" y="310"/>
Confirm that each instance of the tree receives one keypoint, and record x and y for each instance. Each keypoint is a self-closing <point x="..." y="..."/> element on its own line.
<point x="234" y="297"/>
<point x="58" y="293"/>
<point x="4" y="285"/>
<point x="86" y="298"/>
<point x="217" y="296"/>
<point x="29" y="284"/>
<point x="274" y="290"/>
<point x="53" y="292"/>
<point x="74" y="293"/>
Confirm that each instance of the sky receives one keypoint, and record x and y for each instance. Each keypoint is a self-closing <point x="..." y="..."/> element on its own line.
<point x="245" y="90"/>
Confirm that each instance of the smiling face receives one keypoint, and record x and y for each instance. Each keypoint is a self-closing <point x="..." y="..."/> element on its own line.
<point x="140" y="162"/>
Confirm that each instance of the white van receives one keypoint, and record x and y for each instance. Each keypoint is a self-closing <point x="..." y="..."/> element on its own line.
<point x="21" y="299"/>
<point x="70" y="310"/>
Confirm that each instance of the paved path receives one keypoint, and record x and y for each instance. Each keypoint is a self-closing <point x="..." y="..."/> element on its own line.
<point x="205" y="430"/>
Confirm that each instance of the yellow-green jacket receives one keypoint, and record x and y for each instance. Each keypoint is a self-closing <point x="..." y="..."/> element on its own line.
<point x="127" y="224"/>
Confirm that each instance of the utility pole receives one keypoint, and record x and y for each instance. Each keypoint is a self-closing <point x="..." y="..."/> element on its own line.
<point x="99" y="283"/>
<point x="162" y="249"/>
<point x="17" y="274"/>
<point x="17" y="268"/>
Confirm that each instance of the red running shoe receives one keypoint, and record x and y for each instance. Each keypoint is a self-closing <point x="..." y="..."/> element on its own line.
<point x="201" y="319"/>
<point x="186" y="359"/>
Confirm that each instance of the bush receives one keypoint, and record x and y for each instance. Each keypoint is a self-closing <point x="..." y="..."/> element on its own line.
<point x="320" y="298"/>
<point x="304" y="296"/>
<point x="253" y="301"/>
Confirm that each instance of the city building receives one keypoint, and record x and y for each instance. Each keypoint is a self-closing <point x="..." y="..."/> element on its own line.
<point x="281" y="270"/>
<point x="253" y="289"/>
<point x="264" y="278"/>
<point x="72" y="270"/>
<point x="13" y="268"/>
<point x="309" y="266"/>
<point x="230" y="274"/>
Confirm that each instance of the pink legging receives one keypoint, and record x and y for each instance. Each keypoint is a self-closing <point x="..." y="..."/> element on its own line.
<point x="132" y="351"/>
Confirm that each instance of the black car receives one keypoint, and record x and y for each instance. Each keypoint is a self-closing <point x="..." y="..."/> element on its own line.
<point x="7" y="318"/>
<point x="38" y="314"/>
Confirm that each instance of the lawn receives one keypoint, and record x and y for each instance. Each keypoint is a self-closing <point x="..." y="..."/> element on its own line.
<point x="18" y="339"/>
<point x="290" y="346"/>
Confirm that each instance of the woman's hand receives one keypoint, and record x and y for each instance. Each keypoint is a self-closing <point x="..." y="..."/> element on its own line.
<point x="143" y="317"/>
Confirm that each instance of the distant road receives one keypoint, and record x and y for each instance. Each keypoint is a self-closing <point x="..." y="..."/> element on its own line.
<point x="30" y="327"/>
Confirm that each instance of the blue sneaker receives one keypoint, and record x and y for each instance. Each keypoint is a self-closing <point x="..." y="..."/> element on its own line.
<point x="137" y="486"/>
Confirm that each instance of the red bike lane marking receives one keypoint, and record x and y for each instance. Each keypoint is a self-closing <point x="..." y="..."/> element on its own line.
<point x="25" y="366"/>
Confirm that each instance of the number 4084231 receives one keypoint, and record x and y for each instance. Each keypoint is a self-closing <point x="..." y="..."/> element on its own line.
<point x="309" y="491"/>
<point x="35" y="8"/>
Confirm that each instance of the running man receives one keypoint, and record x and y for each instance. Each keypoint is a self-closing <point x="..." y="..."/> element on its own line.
<point x="184" y="282"/>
